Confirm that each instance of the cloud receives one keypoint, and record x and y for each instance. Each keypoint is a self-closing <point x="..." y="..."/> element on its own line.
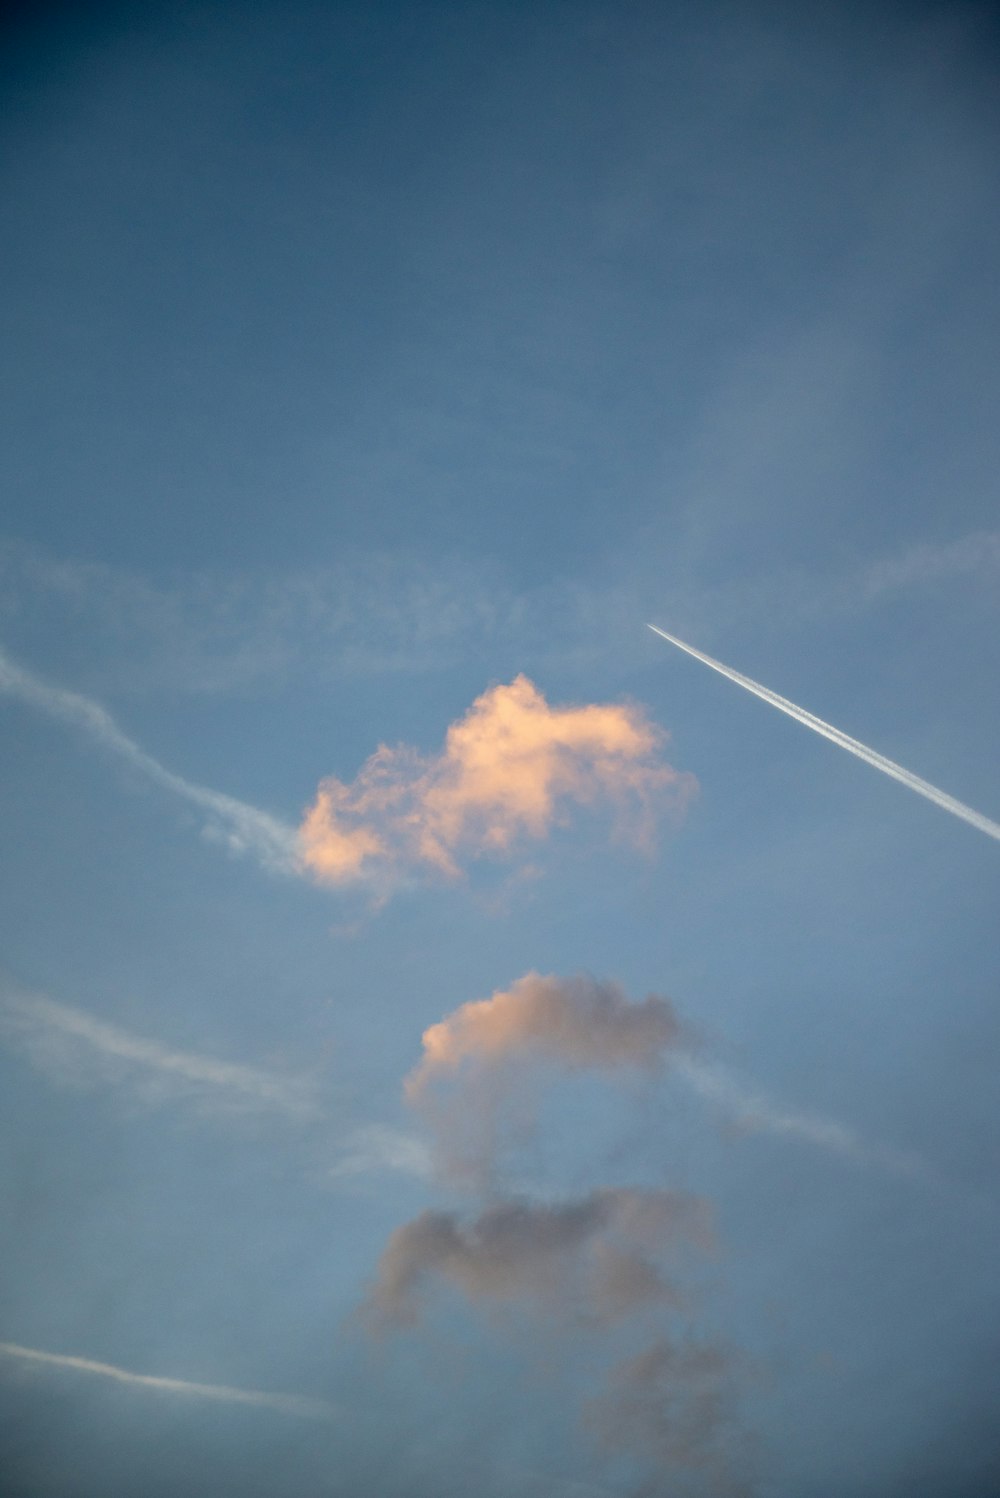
<point x="506" y="773"/>
<point x="388" y="613"/>
<point x="753" y="1112"/>
<point x="673" y="1405"/>
<point x="78" y="1048"/>
<point x="285" y="1404"/>
<point x="579" y="1023"/>
<point x="377" y="1147"/>
<point x="472" y="1069"/>
<point x="472" y="1064"/>
<point x="596" y="1253"/>
<point x="242" y="828"/>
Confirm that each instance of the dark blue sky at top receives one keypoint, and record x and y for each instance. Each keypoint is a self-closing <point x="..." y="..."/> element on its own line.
<point x="405" y="276"/>
<point x="355" y="359"/>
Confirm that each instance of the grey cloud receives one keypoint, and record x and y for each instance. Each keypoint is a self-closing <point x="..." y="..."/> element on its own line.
<point x="588" y="1253"/>
<point x="672" y="1406"/>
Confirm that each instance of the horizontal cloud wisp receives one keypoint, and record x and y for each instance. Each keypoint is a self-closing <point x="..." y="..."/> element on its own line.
<point x="284" y="1404"/>
<point x="79" y="1048"/>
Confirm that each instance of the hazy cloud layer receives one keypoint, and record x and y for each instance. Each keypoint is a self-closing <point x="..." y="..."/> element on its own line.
<point x="242" y="828"/>
<point x="285" y="1404"/>
<point x="508" y="771"/>
<point x="390" y="613"/>
<point x="78" y="1049"/>
<point x="596" y="1253"/>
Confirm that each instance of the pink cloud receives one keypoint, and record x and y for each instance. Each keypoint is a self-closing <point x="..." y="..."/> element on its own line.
<point x="508" y="772"/>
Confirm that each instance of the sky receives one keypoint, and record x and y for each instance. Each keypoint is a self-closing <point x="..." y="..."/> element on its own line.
<point x="452" y="1040"/>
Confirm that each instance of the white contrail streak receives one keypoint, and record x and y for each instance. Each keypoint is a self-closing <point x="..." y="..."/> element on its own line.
<point x="286" y="1404"/>
<point x="245" y="828"/>
<point x="870" y="757"/>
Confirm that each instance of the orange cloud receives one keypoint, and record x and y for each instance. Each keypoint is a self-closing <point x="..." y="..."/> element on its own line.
<point x="575" y="1022"/>
<point x="507" y="772"/>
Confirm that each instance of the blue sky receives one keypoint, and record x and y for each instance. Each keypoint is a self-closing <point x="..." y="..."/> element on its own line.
<point x="359" y="362"/>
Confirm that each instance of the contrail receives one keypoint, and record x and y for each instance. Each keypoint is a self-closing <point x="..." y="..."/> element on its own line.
<point x="870" y="757"/>
<point x="286" y="1404"/>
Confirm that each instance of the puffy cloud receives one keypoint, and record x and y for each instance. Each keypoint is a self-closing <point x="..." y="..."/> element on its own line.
<point x="596" y="1252"/>
<point x="577" y="1022"/>
<point x="507" y="771"/>
<point x="673" y="1406"/>
<point x="471" y="1072"/>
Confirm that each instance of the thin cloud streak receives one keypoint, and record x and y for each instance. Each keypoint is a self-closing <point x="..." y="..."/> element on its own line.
<point x="79" y="1048"/>
<point x="243" y="828"/>
<point x="285" y="1404"/>
<point x="754" y="1113"/>
<point x="870" y="756"/>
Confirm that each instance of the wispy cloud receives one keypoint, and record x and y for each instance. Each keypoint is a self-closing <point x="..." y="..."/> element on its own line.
<point x="507" y="771"/>
<point x="77" y="1048"/>
<point x="673" y="1405"/>
<point x="243" y="828"/>
<point x="387" y="613"/>
<point x="751" y="1111"/>
<point x="374" y="1148"/>
<point x="284" y="1404"/>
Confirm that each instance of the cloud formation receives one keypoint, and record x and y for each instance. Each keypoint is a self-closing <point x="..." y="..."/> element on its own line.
<point x="476" y="1062"/>
<point x="374" y="1148"/>
<point x="753" y="1112"/>
<point x="507" y="772"/>
<point x="578" y="1023"/>
<point x="596" y="1253"/>
<point x="285" y="1404"/>
<point x="673" y="1406"/>
<point x="77" y="1048"/>
<point x="242" y="828"/>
